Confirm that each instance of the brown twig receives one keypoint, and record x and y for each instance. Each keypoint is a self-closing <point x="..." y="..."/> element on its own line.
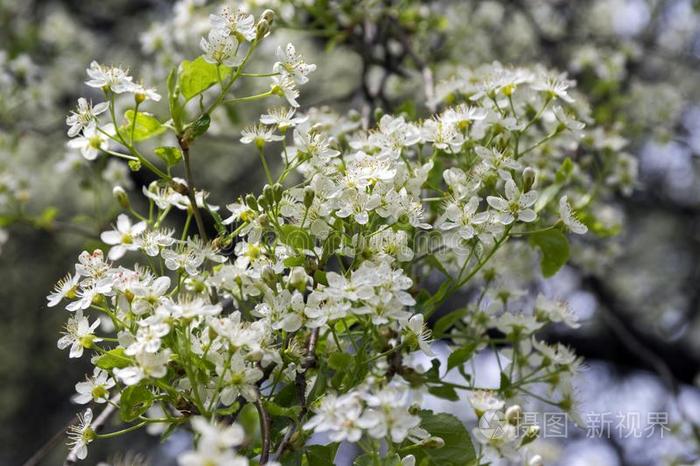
<point x="191" y="191"/>
<point x="264" y="430"/>
<point x="49" y="445"/>
<point x="300" y="381"/>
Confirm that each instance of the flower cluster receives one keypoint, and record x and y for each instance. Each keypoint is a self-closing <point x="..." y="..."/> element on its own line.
<point x="307" y="309"/>
<point x="378" y="412"/>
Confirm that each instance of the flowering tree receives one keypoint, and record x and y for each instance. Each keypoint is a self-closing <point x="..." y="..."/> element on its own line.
<point x="303" y="315"/>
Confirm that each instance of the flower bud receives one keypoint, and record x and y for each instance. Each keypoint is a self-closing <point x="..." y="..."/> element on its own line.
<point x="514" y="414"/>
<point x="277" y="191"/>
<point x="298" y="278"/>
<point x="134" y="165"/>
<point x="530" y="435"/>
<point x="221" y="242"/>
<point x="179" y="186"/>
<point x="309" y="195"/>
<point x="433" y="442"/>
<point x="378" y="113"/>
<point x="268" y="15"/>
<point x="269" y="276"/>
<point x="251" y="202"/>
<point x="262" y="29"/>
<point x="139" y="98"/>
<point x="269" y="194"/>
<point x="529" y="178"/>
<point x="121" y="197"/>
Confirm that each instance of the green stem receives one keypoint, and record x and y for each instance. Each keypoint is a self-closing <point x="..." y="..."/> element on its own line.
<point x="123" y="431"/>
<point x="261" y="154"/>
<point x="249" y="98"/>
<point x="191" y="194"/>
<point x="258" y="75"/>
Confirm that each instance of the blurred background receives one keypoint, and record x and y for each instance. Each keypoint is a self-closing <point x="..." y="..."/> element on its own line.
<point x="637" y="292"/>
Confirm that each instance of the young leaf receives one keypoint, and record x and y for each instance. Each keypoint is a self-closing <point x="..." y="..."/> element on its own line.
<point x="276" y="410"/>
<point x="340" y="361"/>
<point x="113" y="359"/>
<point x="565" y="170"/>
<point x="176" y="109"/>
<point x="296" y="237"/>
<point x="170" y="155"/>
<point x="197" y="128"/>
<point x="294" y="261"/>
<point x="197" y="76"/>
<point x="446" y="322"/>
<point x="460" y="356"/>
<point x="445" y="392"/>
<point x="555" y="250"/>
<point x="135" y="401"/>
<point x="369" y="460"/>
<point x="146" y="126"/>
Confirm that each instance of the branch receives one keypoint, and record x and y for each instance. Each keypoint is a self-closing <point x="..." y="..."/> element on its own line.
<point x="672" y="362"/>
<point x="49" y="445"/>
<point x="308" y="362"/>
<point x="264" y="430"/>
<point x="191" y="191"/>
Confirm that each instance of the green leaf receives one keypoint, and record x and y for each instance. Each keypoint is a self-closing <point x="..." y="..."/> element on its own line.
<point x="321" y="455"/>
<point x="197" y="76"/>
<point x="435" y="262"/>
<point x="276" y="410"/>
<point x="294" y="261"/>
<point x="546" y="196"/>
<point x="218" y="222"/>
<point x="169" y="155"/>
<point x="319" y="387"/>
<point x="565" y="170"/>
<point x="438" y="296"/>
<point x="45" y="220"/>
<point x="292" y="458"/>
<point x="458" y="449"/>
<point x="174" y="99"/>
<point x="113" y="359"/>
<point x="332" y="243"/>
<point x="598" y="227"/>
<point x="460" y="356"/>
<point x="433" y="374"/>
<point x="368" y="460"/>
<point x="296" y="237"/>
<point x="320" y="277"/>
<point x="505" y="382"/>
<point x="340" y="361"/>
<point x="446" y="322"/>
<point x="170" y="430"/>
<point x="146" y="126"/>
<point x="445" y="392"/>
<point x="555" y="250"/>
<point x="135" y="401"/>
<point x="197" y="128"/>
